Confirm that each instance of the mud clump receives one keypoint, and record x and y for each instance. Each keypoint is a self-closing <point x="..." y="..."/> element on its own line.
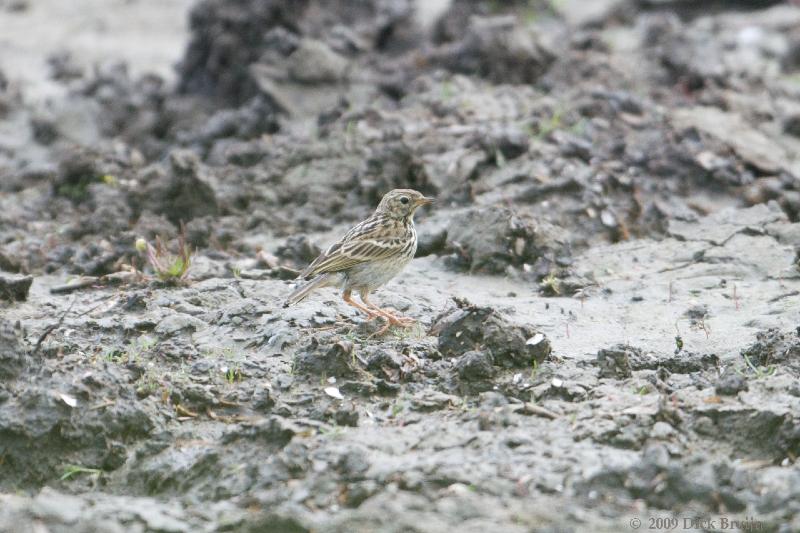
<point x="730" y="383"/>
<point x="615" y="362"/>
<point x="181" y="193"/>
<point x="498" y="49"/>
<point x="621" y="360"/>
<point x="492" y="240"/>
<point x="335" y="360"/>
<point x="77" y="171"/>
<point x="226" y="38"/>
<point x="475" y="366"/>
<point x="13" y="352"/>
<point x="15" y="289"/>
<point x="775" y="347"/>
<point x="470" y="328"/>
<point x="681" y="484"/>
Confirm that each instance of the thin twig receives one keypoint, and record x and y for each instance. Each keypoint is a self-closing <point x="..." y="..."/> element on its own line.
<point x="532" y="409"/>
<point x="81" y="283"/>
<point x="52" y="327"/>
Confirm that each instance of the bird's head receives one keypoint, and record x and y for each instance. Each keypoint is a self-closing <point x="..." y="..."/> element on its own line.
<point x="401" y="203"/>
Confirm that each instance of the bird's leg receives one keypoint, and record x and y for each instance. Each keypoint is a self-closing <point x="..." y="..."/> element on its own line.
<point x="391" y="319"/>
<point x="347" y="297"/>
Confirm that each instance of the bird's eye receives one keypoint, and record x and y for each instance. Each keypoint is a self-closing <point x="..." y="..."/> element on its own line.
<point x="404" y="199"/>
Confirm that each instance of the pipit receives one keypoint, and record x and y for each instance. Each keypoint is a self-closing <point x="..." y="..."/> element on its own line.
<point x="368" y="256"/>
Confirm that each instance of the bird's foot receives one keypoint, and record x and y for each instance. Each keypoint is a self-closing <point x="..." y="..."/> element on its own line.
<point x="397" y="320"/>
<point x="393" y="320"/>
<point x="404" y="321"/>
<point x="373" y="316"/>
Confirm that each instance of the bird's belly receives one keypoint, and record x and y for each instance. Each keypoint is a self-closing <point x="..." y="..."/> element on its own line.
<point x="375" y="273"/>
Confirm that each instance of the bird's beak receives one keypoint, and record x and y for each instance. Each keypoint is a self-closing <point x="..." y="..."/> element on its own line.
<point x="425" y="200"/>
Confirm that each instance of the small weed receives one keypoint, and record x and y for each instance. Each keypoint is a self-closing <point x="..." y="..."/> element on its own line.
<point x="550" y="284"/>
<point x="546" y="127"/>
<point x="794" y="78"/>
<point x="447" y="90"/>
<point x="536" y="9"/>
<point x="678" y="344"/>
<point x="233" y="375"/>
<point x="534" y="370"/>
<point x="397" y="408"/>
<point x="416" y="331"/>
<point x="499" y="159"/>
<point x="351" y="336"/>
<point x="76" y="188"/>
<point x="579" y="128"/>
<point x="334" y="432"/>
<point x="759" y="372"/>
<point x="232" y="372"/>
<point x="135" y="350"/>
<point x="72" y="470"/>
<point x="148" y="383"/>
<point x="350" y="135"/>
<point x="113" y="355"/>
<point x="169" y="267"/>
<point x="138" y="347"/>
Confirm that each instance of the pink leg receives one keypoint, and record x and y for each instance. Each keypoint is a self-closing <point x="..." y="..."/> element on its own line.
<point x="347" y="297"/>
<point x="391" y="319"/>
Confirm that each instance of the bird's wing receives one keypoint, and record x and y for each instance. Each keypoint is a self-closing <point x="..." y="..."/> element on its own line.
<point x="366" y="242"/>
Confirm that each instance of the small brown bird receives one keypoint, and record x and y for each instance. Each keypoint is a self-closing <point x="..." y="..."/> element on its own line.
<point x="368" y="256"/>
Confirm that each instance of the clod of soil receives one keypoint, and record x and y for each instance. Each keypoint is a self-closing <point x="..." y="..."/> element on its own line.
<point x="468" y="328"/>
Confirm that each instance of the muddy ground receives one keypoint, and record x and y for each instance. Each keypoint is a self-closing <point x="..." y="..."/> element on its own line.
<point x="606" y="290"/>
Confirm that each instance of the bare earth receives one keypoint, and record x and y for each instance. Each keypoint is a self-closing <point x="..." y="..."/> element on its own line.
<point x="606" y="290"/>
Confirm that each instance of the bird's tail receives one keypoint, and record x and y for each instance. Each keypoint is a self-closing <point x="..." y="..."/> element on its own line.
<point x="305" y="289"/>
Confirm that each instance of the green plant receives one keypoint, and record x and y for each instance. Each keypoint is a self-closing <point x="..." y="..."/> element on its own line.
<point x="447" y="90"/>
<point x="534" y="370"/>
<point x="72" y="470"/>
<point x="113" y="355"/>
<point x="397" y="408"/>
<point x="546" y="127"/>
<point x="551" y="284"/>
<point x="167" y="266"/>
<point x="334" y="432"/>
<point x="233" y="375"/>
<point x="148" y="383"/>
<point x="758" y="371"/>
<point x="139" y="346"/>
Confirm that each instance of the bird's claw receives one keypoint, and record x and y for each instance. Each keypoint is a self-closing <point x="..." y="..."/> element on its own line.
<point x="392" y="320"/>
